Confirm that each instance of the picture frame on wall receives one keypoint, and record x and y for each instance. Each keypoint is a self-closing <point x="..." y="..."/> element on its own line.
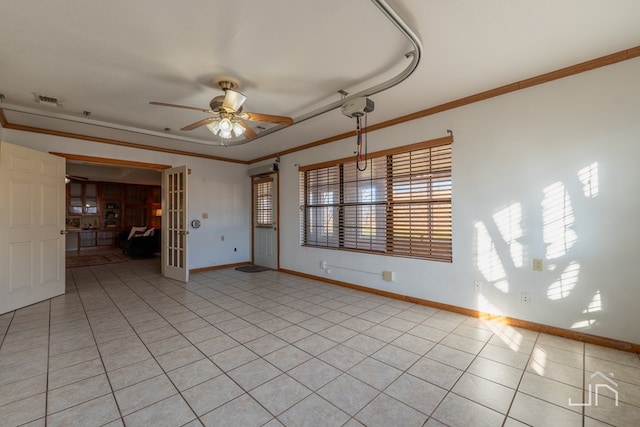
<point x="73" y="222"/>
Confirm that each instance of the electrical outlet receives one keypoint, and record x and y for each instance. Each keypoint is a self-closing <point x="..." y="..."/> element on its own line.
<point x="537" y="264"/>
<point x="323" y="265"/>
<point x="477" y="285"/>
<point x="388" y="276"/>
<point x="525" y="298"/>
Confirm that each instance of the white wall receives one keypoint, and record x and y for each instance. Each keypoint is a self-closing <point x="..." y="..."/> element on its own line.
<point x="516" y="164"/>
<point x="220" y="189"/>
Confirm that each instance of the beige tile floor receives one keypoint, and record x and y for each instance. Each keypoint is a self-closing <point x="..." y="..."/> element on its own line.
<point x="125" y="346"/>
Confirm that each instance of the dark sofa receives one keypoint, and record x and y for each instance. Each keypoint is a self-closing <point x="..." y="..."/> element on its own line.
<point x="140" y="246"/>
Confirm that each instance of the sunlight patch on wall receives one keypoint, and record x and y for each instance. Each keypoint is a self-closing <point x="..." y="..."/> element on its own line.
<point x="502" y="285"/>
<point x="488" y="261"/>
<point x="509" y="222"/>
<point x="583" y="324"/>
<point x="558" y="218"/>
<point x="562" y="287"/>
<point x="485" y="306"/>
<point x="595" y="304"/>
<point x="588" y="176"/>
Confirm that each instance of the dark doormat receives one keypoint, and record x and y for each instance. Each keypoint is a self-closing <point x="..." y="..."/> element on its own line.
<point x="252" y="268"/>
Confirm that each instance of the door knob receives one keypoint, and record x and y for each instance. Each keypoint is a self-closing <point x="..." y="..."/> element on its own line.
<point x="64" y="232"/>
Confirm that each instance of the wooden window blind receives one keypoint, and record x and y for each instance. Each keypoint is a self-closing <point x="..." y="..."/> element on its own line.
<point x="322" y="201"/>
<point x="263" y="188"/>
<point x="400" y="205"/>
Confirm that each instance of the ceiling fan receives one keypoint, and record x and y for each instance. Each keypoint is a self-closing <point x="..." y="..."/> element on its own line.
<point x="228" y="119"/>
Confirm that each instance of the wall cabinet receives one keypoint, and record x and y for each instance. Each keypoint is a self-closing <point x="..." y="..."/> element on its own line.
<point x="83" y="198"/>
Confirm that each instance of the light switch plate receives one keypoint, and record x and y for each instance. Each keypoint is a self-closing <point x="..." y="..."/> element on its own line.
<point x="537" y="264"/>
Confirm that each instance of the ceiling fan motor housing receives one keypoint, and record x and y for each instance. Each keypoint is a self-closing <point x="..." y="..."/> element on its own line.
<point x="228" y="84"/>
<point x="216" y="103"/>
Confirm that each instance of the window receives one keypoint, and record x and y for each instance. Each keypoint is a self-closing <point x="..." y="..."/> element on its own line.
<point x="400" y="205"/>
<point x="263" y="201"/>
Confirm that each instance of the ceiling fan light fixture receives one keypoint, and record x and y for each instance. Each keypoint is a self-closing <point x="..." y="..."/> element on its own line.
<point x="214" y="126"/>
<point x="226" y="128"/>
<point x="225" y="125"/>
<point x="238" y="129"/>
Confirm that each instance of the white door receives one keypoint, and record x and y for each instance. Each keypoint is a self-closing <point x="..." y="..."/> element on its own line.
<point x="32" y="226"/>
<point x="265" y="220"/>
<point x="174" y="224"/>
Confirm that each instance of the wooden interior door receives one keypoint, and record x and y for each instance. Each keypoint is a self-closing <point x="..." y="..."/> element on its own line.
<point x="32" y="226"/>
<point x="174" y="224"/>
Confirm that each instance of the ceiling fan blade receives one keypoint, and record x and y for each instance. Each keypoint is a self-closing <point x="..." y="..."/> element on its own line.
<point x="268" y="118"/>
<point x="164" y="104"/>
<point x="248" y="132"/>
<point x="233" y="100"/>
<point x="199" y="123"/>
<point x="77" y="178"/>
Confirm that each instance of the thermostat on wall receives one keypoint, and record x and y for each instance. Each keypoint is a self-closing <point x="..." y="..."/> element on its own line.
<point x="195" y="223"/>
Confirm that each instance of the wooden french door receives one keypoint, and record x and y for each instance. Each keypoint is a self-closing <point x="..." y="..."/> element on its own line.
<point x="32" y="226"/>
<point x="174" y="224"/>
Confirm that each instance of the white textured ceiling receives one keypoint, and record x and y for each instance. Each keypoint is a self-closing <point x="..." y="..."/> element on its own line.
<point x="111" y="57"/>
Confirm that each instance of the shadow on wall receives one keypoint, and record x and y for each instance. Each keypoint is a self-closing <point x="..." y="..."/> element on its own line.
<point x="501" y="253"/>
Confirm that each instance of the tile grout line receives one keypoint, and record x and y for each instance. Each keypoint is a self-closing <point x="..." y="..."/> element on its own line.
<point x="46" y="387"/>
<point x="84" y="309"/>
<point x="584" y="373"/>
<point x="524" y="371"/>
<point x="6" y="332"/>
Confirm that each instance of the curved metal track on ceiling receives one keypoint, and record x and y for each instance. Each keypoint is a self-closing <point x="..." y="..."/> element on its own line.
<point x="415" y="55"/>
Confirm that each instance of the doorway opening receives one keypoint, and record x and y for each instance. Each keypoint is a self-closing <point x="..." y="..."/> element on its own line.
<point x="106" y="199"/>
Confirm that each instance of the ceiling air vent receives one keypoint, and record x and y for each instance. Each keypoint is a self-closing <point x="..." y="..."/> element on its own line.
<point x="47" y="100"/>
